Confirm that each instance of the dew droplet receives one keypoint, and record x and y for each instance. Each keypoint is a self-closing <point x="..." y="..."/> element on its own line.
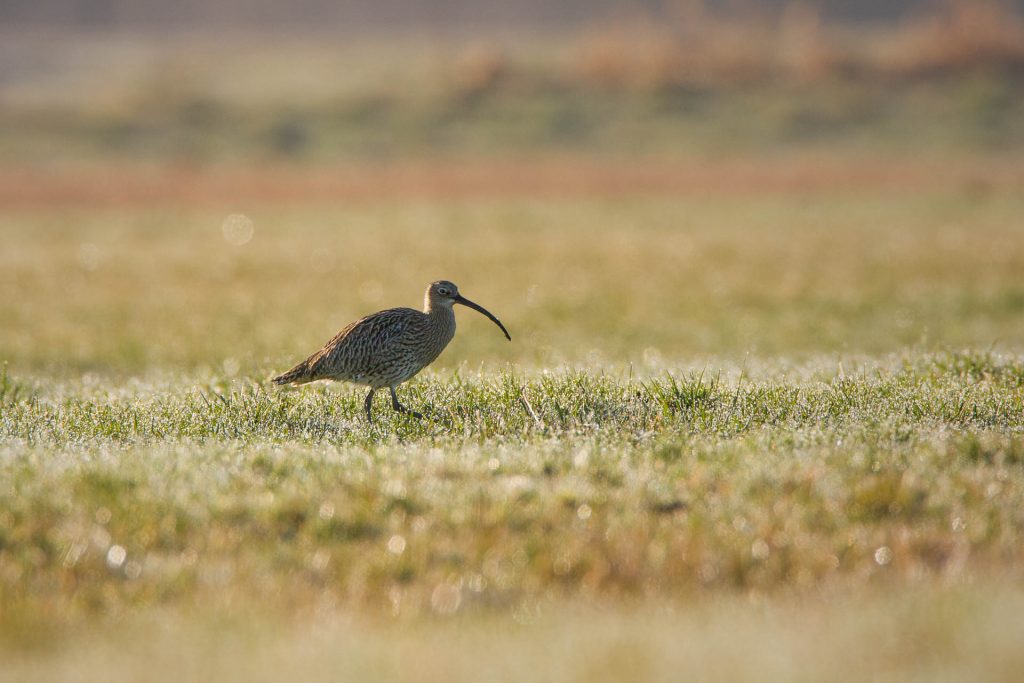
<point x="396" y="545"/>
<point x="116" y="556"/>
<point x="238" y="229"/>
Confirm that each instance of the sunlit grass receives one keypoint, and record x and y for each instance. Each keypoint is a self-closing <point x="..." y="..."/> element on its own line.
<point x="748" y="435"/>
<point x="521" y="488"/>
<point x="652" y="282"/>
<point x="589" y="524"/>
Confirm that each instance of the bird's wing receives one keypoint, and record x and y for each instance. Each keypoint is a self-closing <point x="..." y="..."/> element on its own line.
<point x="378" y="328"/>
<point x="362" y="338"/>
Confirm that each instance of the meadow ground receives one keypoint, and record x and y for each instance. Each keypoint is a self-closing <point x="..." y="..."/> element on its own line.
<point x="767" y="433"/>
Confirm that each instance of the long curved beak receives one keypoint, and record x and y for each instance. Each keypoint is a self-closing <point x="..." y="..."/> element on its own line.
<point x="459" y="299"/>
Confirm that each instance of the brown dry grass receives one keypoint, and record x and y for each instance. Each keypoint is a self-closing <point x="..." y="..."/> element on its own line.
<point x="694" y="46"/>
<point x="114" y="185"/>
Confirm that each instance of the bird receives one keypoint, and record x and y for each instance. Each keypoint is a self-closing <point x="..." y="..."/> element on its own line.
<point x="387" y="348"/>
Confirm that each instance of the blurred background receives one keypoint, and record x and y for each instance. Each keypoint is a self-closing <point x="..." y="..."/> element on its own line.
<point x="317" y="81"/>
<point x="639" y="182"/>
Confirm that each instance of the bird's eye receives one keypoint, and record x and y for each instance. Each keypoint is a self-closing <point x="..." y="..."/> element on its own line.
<point x="443" y="292"/>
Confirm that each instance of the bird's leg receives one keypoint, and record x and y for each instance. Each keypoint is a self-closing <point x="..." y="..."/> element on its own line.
<point x="399" y="407"/>
<point x="368" y="404"/>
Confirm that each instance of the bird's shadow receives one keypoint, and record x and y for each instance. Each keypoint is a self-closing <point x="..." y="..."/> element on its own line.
<point x="355" y="428"/>
<point x="318" y="429"/>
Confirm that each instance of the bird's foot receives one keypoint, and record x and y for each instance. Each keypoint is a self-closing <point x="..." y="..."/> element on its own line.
<point x="403" y="409"/>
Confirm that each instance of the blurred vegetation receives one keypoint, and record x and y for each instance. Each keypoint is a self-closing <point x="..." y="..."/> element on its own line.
<point x="692" y="83"/>
<point x="652" y="281"/>
<point x="921" y="633"/>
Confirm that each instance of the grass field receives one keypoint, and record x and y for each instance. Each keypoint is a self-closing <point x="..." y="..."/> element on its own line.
<point x="758" y="433"/>
<point x="604" y="278"/>
<point x="761" y="418"/>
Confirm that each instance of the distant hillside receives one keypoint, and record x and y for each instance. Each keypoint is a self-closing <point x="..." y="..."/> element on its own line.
<point x="403" y="14"/>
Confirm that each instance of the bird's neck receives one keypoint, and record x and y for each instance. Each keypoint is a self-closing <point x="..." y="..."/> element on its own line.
<point x="443" y="318"/>
<point x="439" y="312"/>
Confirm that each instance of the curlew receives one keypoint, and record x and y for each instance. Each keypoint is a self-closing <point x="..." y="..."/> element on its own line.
<point x="388" y="347"/>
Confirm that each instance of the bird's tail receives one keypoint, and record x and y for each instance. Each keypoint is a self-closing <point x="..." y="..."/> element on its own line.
<point x="298" y="375"/>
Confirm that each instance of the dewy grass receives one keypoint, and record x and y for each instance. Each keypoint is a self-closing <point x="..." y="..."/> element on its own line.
<point x="714" y="412"/>
<point x="519" y="488"/>
<point x="958" y="391"/>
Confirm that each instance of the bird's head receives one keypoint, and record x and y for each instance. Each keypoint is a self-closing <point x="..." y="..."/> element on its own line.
<point x="441" y="293"/>
<point x="445" y="294"/>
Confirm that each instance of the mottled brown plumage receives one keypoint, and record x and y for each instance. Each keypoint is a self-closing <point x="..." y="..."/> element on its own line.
<point x="389" y="347"/>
